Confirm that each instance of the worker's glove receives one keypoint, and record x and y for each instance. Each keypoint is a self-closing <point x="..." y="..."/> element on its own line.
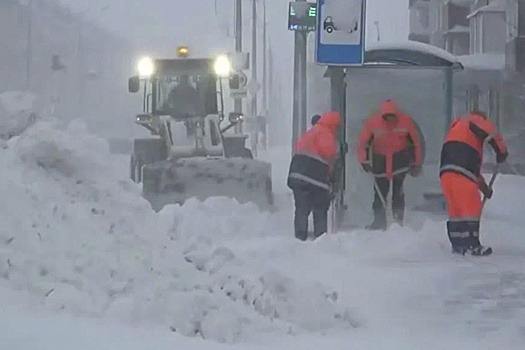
<point x="486" y="190"/>
<point x="367" y="167"/>
<point x="501" y="157"/>
<point x="415" y="170"/>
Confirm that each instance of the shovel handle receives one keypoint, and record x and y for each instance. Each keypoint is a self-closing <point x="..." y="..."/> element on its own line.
<point x="380" y="194"/>
<point x="491" y="182"/>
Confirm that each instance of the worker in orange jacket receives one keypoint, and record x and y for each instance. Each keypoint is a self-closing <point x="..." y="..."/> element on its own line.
<point x="310" y="174"/>
<point x="461" y="179"/>
<point x="389" y="148"/>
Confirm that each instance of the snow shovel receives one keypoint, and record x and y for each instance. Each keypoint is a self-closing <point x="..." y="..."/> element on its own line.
<point x="333" y="218"/>
<point x="380" y="194"/>
<point x="384" y="202"/>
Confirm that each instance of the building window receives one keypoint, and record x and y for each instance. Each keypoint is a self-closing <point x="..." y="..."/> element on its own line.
<point x="479" y="24"/>
<point x="476" y="35"/>
<point x="423" y="17"/>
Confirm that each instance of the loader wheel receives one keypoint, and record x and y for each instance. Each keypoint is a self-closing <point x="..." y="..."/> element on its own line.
<point x="136" y="169"/>
<point x="132" y="172"/>
<point x="145" y="151"/>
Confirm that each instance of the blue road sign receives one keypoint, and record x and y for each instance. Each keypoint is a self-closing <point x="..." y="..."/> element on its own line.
<point x="340" y="34"/>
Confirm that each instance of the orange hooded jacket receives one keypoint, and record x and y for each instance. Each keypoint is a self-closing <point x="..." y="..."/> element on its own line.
<point x="316" y="152"/>
<point x="321" y="139"/>
<point x="395" y="144"/>
<point x="462" y="150"/>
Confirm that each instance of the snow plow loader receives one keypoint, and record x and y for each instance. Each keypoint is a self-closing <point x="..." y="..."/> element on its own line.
<point x="191" y="154"/>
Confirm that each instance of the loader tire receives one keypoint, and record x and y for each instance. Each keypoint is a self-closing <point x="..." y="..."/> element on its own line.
<point x="136" y="169"/>
<point x="145" y="151"/>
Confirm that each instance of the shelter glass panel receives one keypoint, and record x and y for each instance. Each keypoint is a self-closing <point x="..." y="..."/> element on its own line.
<point x="420" y="93"/>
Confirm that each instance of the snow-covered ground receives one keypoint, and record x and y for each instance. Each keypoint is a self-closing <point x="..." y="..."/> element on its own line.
<point x="86" y="264"/>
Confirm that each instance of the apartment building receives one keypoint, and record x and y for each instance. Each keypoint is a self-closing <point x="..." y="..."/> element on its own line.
<point x="488" y="36"/>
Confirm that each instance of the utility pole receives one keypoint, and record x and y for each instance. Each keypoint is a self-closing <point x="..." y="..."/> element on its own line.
<point x="237" y="102"/>
<point x="271" y="94"/>
<point x="264" y="68"/>
<point x="29" y="49"/>
<point x="265" y="79"/>
<point x="254" y="59"/>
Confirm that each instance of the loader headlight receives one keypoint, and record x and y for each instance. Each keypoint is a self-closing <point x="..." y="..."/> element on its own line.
<point x="143" y="118"/>
<point x="235" y="117"/>
<point x="145" y="67"/>
<point x="222" y="66"/>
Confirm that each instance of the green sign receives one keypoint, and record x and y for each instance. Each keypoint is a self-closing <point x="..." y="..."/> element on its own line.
<point x="302" y="16"/>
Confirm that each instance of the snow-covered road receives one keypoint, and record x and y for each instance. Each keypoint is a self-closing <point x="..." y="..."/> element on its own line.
<point x="78" y="241"/>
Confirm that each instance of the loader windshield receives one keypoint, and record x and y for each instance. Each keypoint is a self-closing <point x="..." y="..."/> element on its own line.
<point x="186" y="96"/>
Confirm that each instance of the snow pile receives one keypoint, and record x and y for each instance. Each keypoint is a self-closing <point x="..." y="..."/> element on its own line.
<point x="82" y="241"/>
<point x="18" y="110"/>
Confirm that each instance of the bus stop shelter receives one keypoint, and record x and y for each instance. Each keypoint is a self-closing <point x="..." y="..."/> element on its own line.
<point x="419" y="77"/>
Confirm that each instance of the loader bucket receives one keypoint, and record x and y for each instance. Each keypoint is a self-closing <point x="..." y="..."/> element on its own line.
<point x="174" y="181"/>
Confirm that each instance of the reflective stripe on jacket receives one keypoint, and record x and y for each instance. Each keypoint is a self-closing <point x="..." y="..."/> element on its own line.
<point x="462" y="150"/>
<point x="315" y="154"/>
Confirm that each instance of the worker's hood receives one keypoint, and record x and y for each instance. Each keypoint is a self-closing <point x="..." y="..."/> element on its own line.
<point x="331" y="120"/>
<point x="389" y="110"/>
<point x="389" y="107"/>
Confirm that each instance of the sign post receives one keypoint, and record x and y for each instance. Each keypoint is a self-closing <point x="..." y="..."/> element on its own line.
<point x="302" y="17"/>
<point x="340" y="43"/>
<point x="340" y="34"/>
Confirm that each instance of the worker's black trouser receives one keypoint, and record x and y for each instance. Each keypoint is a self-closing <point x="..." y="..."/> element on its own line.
<point x="398" y="200"/>
<point x="311" y="199"/>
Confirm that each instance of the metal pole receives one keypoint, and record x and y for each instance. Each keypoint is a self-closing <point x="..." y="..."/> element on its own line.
<point x="254" y="58"/>
<point x="449" y="96"/>
<point x="299" y="122"/>
<point x="376" y="23"/>
<point x="303" y="76"/>
<point x="295" y="105"/>
<point x="299" y="89"/>
<point x="237" y="102"/>
<point x="29" y="48"/>
<point x="264" y="71"/>
<point x="271" y="94"/>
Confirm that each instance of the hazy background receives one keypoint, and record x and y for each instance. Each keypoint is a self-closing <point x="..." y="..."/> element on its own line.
<point x="100" y="42"/>
<point x="157" y="27"/>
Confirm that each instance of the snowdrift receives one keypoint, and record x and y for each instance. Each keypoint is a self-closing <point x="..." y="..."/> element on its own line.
<point x="80" y="240"/>
<point x="18" y="111"/>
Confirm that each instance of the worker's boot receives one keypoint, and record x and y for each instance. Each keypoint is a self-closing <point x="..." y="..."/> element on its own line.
<point x="398" y="214"/>
<point x="301" y="235"/>
<point x="458" y="236"/>
<point x="475" y="248"/>
<point x="379" y="223"/>
<point x="464" y="237"/>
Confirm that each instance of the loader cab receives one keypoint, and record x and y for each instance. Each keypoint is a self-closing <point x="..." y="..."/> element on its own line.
<point x="180" y="88"/>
